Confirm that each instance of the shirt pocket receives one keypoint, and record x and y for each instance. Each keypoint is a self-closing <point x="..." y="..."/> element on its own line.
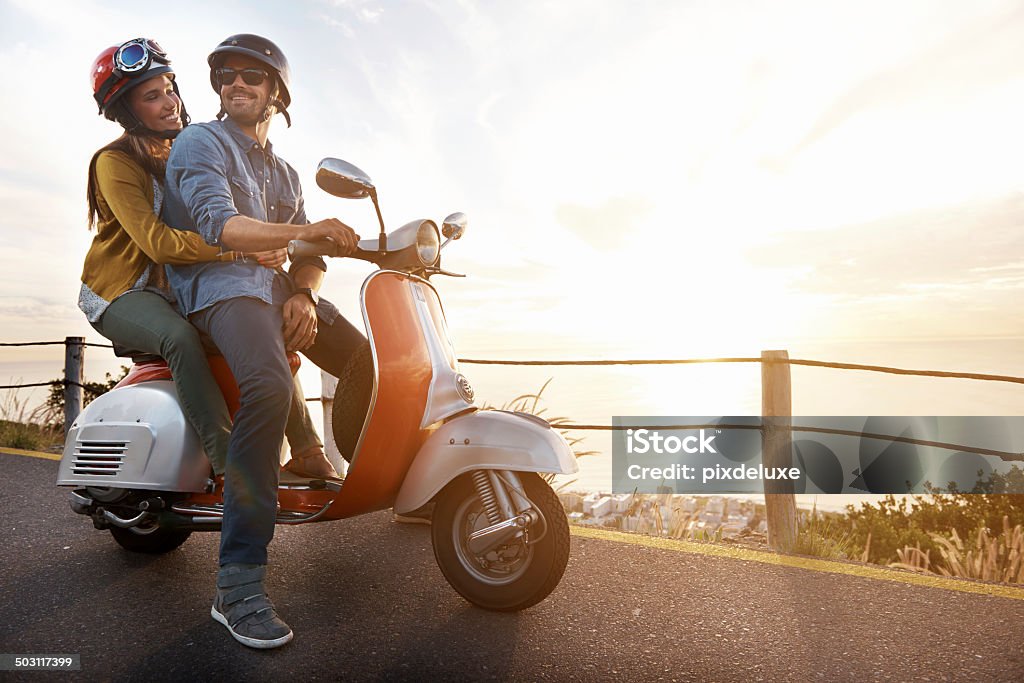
<point x="285" y="209"/>
<point x="247" y="196"/>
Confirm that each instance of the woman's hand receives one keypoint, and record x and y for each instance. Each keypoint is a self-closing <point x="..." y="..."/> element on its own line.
<point x="269" y="259"/>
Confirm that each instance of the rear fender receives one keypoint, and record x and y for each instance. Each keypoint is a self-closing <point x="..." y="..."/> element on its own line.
<point x="489" y="440"/>
<point x="134" y="437"/>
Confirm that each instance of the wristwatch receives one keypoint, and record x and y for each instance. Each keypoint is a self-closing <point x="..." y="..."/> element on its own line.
<point x="313" y="296"/>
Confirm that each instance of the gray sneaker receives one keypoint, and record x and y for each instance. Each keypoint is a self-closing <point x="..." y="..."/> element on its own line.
<point x="243" y="607"/>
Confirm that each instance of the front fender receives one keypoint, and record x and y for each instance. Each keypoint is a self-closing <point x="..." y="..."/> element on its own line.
<point x="488" y="440"/>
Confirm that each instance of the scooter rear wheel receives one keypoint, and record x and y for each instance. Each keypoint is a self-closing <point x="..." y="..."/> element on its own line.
<point x="152" y="541"/>
<point x="518" y="574"/>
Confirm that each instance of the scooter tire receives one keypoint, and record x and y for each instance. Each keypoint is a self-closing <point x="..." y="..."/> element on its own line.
<point x="352" y="400"/>
<point x="154" y="542"/>
<point x="547" y="559"/>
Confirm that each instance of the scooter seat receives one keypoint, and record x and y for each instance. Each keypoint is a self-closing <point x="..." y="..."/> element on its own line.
<point x="149" y="370"/>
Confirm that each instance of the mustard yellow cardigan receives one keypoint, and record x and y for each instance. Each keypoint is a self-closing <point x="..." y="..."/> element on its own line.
<point x="129" y="236"/>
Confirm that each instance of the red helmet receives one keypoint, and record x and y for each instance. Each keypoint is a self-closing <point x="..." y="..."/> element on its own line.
<point x="121" y="67"/>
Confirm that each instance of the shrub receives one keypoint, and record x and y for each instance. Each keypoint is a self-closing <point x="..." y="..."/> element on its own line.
<point x="882" y="530"/>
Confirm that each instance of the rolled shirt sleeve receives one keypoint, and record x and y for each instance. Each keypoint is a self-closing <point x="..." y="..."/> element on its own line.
<point x="196" y="167"/>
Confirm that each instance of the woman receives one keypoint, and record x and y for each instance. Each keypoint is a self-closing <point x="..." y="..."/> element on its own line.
<point x="124" y="291"/>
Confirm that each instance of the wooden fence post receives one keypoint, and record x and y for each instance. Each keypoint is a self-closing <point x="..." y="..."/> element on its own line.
<point x="777" y="448"/>
<point x="74" y="378"/>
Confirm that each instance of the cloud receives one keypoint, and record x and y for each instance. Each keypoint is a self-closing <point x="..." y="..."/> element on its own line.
<point x="972" y="57"/>
<point x="608" y="225"/>
<point x="966" y="253"/>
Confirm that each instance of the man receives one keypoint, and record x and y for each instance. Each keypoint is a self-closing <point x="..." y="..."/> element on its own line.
<point x="224" y="182"/>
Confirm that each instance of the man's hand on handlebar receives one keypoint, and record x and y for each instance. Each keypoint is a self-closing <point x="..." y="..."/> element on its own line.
<point x="330" y="229"/>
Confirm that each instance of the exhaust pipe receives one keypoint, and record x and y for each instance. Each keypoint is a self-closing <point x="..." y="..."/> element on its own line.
<point x="80" y="503"/>
<point x="120" y="521"/>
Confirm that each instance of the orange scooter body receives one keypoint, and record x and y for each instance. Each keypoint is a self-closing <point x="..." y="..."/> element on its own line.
<point x="391" y="435"/>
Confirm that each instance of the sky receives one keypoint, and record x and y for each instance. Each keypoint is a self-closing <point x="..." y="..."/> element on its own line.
<point x="651" y="179"/>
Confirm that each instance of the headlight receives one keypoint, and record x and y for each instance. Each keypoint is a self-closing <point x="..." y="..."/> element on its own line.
<point x="428" y="244"/>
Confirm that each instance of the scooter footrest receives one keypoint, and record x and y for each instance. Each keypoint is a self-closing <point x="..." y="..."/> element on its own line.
<point x="289" y="479"/>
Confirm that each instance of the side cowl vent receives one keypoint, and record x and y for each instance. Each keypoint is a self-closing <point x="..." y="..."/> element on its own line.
<point x="98" y="458"/>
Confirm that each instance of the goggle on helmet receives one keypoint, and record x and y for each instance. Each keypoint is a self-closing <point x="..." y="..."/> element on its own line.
<point x="118" y="66"/>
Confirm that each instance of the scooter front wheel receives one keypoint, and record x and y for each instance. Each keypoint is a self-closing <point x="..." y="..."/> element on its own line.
<point x="515" y="575"/>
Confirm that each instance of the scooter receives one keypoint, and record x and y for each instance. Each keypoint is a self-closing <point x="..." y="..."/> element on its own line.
<point x="404" y="417"/>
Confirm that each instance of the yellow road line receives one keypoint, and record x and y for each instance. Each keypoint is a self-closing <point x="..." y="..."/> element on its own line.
<point x="32" y="454"/>
<point x="810" y="563"/>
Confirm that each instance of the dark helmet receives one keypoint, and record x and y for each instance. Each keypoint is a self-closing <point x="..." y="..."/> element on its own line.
<point x="120" y="68"/>
<point x="263" y="51"/>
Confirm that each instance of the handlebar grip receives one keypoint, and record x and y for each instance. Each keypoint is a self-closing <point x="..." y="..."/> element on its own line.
<point x="299" y="248"/>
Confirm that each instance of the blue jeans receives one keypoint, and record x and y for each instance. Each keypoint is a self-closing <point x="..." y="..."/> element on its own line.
<point x="248" y="333"/>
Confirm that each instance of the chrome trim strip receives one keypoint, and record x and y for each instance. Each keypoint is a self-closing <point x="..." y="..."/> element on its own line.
<point x="214" y="513"/>
<point x="208" y="510"/>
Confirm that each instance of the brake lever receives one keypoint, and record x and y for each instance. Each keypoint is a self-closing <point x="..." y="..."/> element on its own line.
<point x="441" y="271"/>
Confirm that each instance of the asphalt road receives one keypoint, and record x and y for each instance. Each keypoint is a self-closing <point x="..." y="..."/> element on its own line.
<point x="367" y="602"/>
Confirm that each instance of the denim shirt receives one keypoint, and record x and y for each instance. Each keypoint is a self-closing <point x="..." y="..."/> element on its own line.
<point x="216" y="172"/>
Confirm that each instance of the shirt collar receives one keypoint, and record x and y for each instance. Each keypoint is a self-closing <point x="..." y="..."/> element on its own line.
<point x="246" y="142"/>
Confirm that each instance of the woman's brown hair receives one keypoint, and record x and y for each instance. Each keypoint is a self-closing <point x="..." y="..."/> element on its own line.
<point x="148" y="152"/>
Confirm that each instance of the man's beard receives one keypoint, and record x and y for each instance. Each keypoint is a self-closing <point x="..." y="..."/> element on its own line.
<point x="247" y="115"/>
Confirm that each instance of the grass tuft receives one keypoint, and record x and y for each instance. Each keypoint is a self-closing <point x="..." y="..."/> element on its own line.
<point x="820" y="537"/>
<point x="991" y="557"/>
<point x="30" y="430"/>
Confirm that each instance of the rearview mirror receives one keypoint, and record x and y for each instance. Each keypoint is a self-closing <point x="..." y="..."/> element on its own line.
<point x="454" y="226"/>
<point x="343" y="179"/>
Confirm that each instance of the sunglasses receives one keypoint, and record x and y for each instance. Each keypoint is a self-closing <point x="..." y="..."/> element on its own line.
<point x="226" y="76"/>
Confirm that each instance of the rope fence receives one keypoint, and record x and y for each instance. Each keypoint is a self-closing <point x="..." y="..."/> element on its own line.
<point x="791" y="361"/>
<point x="57" y="343"/>
<point x="55" y="383"/>
<point x="647" y="361"/>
